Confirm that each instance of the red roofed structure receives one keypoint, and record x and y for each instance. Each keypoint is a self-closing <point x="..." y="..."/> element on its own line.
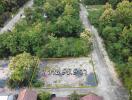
<point x="92" y="97"/>
<point x="27" y="94"/>
<point x="60" y="98"/>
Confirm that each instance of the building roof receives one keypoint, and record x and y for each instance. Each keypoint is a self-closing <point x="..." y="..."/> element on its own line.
<point x="92" y="97"/>
<point x="60" y="98"/>
<point x="27" y="94"/>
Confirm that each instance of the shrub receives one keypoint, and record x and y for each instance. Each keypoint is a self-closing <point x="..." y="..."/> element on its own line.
<point x="44" y="96"/>
<point x="65" y="47"/>
<point x="74" y="96"/>
<point x="68" y="26"/>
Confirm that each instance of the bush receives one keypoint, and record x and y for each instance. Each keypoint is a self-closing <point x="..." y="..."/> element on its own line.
<point x="65" y="47"/>
<point x="39" y="2"/>
<point x="94" y="2"/>
<point x="38" y="83"/>
<point x="44" y="96"/>
<point x="74" y="96"/>
<point x="68" y="26"/>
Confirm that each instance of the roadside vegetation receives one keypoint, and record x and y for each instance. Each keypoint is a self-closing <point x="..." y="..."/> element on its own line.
<point x="114" y="25"/>
<point x="8" y="8"/>
<point x="52" y="29"/>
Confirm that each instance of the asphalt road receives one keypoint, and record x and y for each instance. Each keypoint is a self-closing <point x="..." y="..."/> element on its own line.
<point x="11" y="23"/>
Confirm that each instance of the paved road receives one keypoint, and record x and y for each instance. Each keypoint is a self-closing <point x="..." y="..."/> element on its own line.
<point x="16" y="18"/>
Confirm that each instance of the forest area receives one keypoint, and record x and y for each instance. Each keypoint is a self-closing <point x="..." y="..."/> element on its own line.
<point x="114" y="23"/>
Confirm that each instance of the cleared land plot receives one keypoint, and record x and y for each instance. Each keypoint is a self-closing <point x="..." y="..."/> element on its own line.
<point x="64" y="73"/>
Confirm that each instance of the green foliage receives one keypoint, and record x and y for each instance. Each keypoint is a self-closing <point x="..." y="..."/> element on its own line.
<point x="1" y="9"/>
<point x="94" y="15"/>
<point x="74" y="96"/>
<point x="7" y="7"/>
<point x="125" y="72"/>
<point x="124" y="13"/>
<point x="23" y="38"/>
<point x="39" y="2"/>
<point x="94" y="2"/>
<point x="37" y="83"/>
<point x="116" y="29"/>
<point x="64" y="17"/>
<point x="44" y="96"/>
<point x="23" y="69"/>
<point x="107" y="16"/>
<point x="65" y="47"/>
<point x="114" y="2"/>
<point x="31" y="33"/>
<point x="68" y="26"/>
<point x="53" y="8"/>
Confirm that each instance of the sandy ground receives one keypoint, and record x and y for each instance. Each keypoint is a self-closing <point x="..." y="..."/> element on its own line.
<point x="62" y="73"/>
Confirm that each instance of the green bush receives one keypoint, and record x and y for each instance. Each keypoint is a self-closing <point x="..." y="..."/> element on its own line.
<point x="74" y="96"/>
<point x="44" y="96"/>
<point x="65" y="47"/>
<point x="68" y="26"/>
<point x="37" y="83"/>
<point x="39" y="2"/>
<point x="94" y="2"/>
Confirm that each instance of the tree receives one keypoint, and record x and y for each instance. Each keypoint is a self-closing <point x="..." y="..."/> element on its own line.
<point x="107" y="16"/>
<point x="53" y="8"/>
<point x="69" y="10"/>
<point x="68" y="26"/>
<point x="24" y="68"/>
<point x="123" y="12"/>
